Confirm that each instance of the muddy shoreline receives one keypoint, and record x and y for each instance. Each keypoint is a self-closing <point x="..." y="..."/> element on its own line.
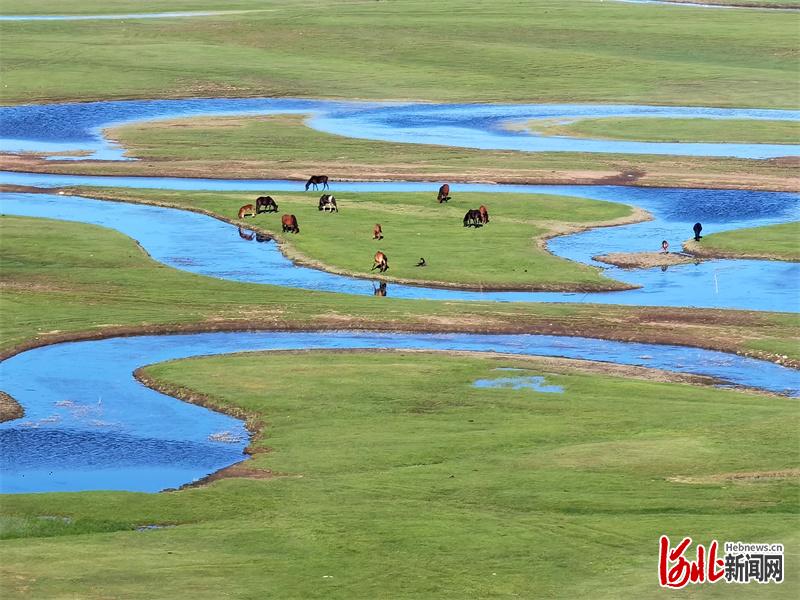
<point x="10" y="409"/>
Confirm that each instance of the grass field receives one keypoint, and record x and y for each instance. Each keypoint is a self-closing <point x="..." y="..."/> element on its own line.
<point x="744" y="131"/>
<point x="283" y="147"/>
<point x="93" y="281"/>
<point x="507" y="253"/>
<point x="776" y="242"/>
<point x="538" y="51"/>
<point x="403" y="480"/>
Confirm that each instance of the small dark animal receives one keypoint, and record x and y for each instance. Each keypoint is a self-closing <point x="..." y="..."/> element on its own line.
<point x="266" y="204"/>
<point x="377" y="232"/>
<point x="444" y="193"/>
<point x="665" y="247"/>
<point x="289" y="223"/>
<point x="328" y="203"/>
<point x="380" y="262"/>
<point x="316" y="180"/>
<point x="472" y="218"/>
<point x="697" y="229"/>
<point x="484" y="212"/>
<point x="421" y="262"/>
<point x="248" y="210"/>
<point x="246" y="236"/>
<point x="380" y="290"/>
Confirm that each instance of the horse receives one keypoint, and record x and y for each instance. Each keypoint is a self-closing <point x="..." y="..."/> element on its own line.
<point x="484" y="212"/>
<point x="315" y="180"/>
<point x="246" y="236"/>
<point x="289" y="223"/>
<point x="444" y="193"/>
<point x="248" y="210"/>
<point x="266" y="204"/>
<point x="380" y="262"/>
<point x="472" y="218"/>
<point x="377" y="232"/>
<point x="328" y="203"/>
<point x="697" y="229"/>
<point x="380" y="290"/>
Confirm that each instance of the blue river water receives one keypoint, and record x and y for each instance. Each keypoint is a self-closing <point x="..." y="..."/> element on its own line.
<point x="78" y="127"/>
<point x="211" y="247"/>
<point x="90" y="425"/>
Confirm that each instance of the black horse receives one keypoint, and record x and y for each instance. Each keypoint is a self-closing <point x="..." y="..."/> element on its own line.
<point x="266" y="204"/>
<point x="473" y="218"/>
<point x="316" y="180"/>
<point x="697" y="229"/>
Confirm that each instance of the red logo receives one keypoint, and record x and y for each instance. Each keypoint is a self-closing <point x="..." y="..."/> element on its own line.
<point x="675" y="571"/>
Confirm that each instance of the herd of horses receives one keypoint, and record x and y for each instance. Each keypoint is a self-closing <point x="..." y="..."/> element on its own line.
<point x="475" y="217"/>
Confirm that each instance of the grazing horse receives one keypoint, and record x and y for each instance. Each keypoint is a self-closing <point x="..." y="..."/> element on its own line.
<point x="377" y="232"/>
<point x="380" y="290"/>
<point x="246" y="236"/>
<point x="484" y="212"/>
<point x="289" y="223"/>
<point x="248" y="210"/>
<point x="266" y="204"/>
<point x="697" y="229"/>
<point x="380" y="262"/>
<point x="472" y="218"/>
<point x="328" y="203"/>
<point x="444" y="193"/>
<point x="316" y="180"/>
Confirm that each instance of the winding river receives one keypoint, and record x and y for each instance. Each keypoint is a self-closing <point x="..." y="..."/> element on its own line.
<point x="90" y="425"/>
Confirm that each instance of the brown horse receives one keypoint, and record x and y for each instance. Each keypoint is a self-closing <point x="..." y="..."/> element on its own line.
<point x="289" y="223"/>
<point x="380" y="262"/>
<point x="328" y="203"/>
<point x="444" y="193"/>
<point x="266" y="204"/>
<point x="316" y="180"/>
<point x="248" y="210"/>
<point x="484" y="212"/>
<point x="377" y="232"/>
<point x="472" y="218"/>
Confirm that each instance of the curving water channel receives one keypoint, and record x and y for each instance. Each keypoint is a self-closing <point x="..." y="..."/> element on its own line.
<point x="90" y="425"/>
<point x="171" y="236"/>
<point x="78" y="127"/>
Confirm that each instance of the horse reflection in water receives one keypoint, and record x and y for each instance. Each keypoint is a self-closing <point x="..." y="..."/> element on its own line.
<point x="380" y="290"/>
<point x="247" y="235"/>
<point x="263" y="237"/>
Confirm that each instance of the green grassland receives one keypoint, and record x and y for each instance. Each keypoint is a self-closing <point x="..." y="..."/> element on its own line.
<point x="453" y="50"/>
<point x="504" y="254"/>
<point x="653" y="129"/>
<point x="777" y="242"/>
<point x="93" y="281"/>
<point x="283" y="147"/>
<point x="403" y="480"/>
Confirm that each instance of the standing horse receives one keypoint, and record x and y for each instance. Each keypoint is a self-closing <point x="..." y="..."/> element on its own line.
<point x="248" y="210"/>
<point x="472" y="218"/>
<point x="697" y="229"/>
<point x="266" y="204"/>
<point x="328" y="203"/>
<point x="377" y="232"/>
<point x="316" y="180"/>
<point x="444" y="193"/>
<point x="484" y="213"/>
<point x="289" y="223"/>
<point x="380" y="262"/>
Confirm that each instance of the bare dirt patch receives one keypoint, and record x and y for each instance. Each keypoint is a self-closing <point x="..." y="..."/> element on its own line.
<point x="645" y="260"/>
<point x="753" y="477"/>
<point x="10" y="409"/>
